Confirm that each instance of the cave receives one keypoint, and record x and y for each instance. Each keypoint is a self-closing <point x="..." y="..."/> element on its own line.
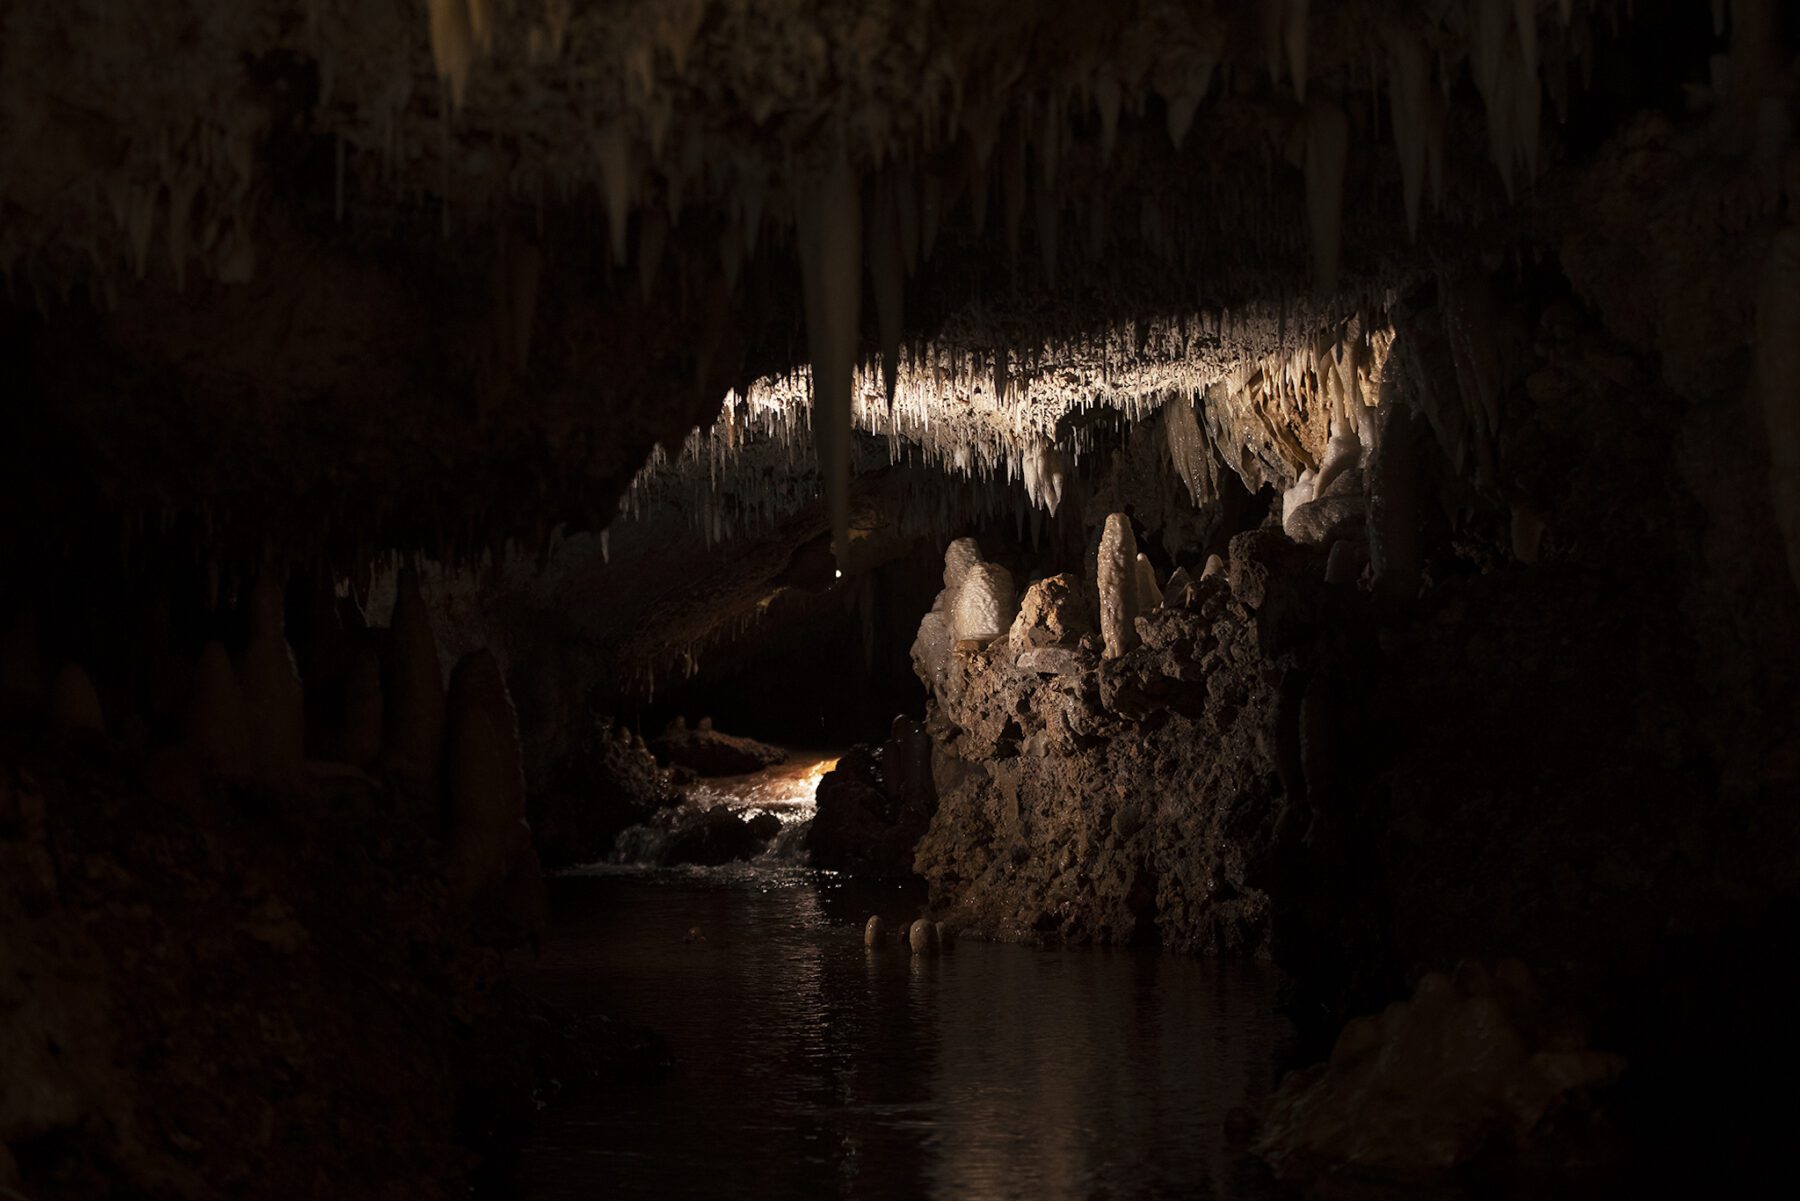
<point x="807" y="598"/>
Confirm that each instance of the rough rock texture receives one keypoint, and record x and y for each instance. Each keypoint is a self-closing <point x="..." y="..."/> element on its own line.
<point x="616" y="784"/>
<point x="874" y="806"/>
<point x="709" y="752"/>
<point x="1135" y="800"/>
<point x="1053" y="612"/>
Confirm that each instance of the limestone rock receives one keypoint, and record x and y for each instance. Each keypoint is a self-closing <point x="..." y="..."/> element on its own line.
<point x="214" y="724"/>
<point x="1149" y="595"/>
<point x="1053" y="612"/>
<point x="74" y="705"/>
<point x="486" y="780"/>
<point x="875" y="932"/>
<point x="923" y="937"/>
<point x="1115" y="571"/>
<point x="274" y="702"/>
<point x="414" y="689"/>
<point x="985" y="604"/>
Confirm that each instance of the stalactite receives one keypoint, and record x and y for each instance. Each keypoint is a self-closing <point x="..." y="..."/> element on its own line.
<point x="831" y="278"/>
<point x="1327" y="151"/>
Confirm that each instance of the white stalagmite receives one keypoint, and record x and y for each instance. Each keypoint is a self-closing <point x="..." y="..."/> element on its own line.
<point x="74" y="705"/>
<point x="488" y="834"/>
<point x="1297" y="497"/>
<point x="1777" y="379"/>
<point x="1149" y="596"/>
<point x="1342" y="454"/>
<point x="414" y="692"/>
<point x="274" y="704"/>
<point x="1327" y="150"/>
<point x="213" y="727"/>
<point x="1215" y="566"/>
<point x="830" y="236"/>
<point x="1115" y="571"/>
<point x="985" y="604"/>
<point x="959" y="557"/>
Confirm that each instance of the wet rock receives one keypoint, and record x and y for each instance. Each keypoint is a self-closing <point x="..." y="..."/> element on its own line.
<point x="874" y="806"/>
<point x="708" y="839"/>
<point x="765" y="826"/>
<point x="922" y="937"/>
<point x="708" y="752"/>
<point x="609" y="783"/>
<point x="875" y="932"/>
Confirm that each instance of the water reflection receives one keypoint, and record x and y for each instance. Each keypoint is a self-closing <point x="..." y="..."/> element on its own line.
<point x="808" y="1067"/>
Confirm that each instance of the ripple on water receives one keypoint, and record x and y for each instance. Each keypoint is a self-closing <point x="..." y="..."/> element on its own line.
<point x="807" y="1066"/>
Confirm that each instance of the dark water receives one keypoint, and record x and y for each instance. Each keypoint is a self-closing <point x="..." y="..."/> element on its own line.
<point x="807" y="1066"/>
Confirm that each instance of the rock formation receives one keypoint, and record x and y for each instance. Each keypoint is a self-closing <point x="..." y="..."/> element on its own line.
<point x="1116" y="574"/>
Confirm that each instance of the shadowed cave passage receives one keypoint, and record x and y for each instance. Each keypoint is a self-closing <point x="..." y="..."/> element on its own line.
<point x="1010" y="599"/>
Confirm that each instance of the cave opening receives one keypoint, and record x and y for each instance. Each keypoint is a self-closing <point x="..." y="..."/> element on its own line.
<point x="687" y="598"/>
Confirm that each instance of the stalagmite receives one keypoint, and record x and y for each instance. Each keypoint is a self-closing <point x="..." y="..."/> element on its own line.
<point x="488" y="834"/>
<point x="923" y="937"/>
<point x="1327" y="150"/>
<point x="1149" y="596"/>
<point x="985" y="604"/>
<point x="830" y="237"/>
<point x="22" y="684"/>
<point x="1115" y="572"/>
<point x="875" y="933"/>
<point x="959" y="557"/>
<point x="1296" y="498"/>
<point x="414" y="690"/>
<point x="1777" y="380"/>
<point x="1215" y="566"/>
<point x="1393" y="525"/>
<point x="274" y="703"/>
<point x="214" y="724"/>
<point x="1342" y="454"/>
<point x="74" y="705"/>
<point x="363" y="713"/>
